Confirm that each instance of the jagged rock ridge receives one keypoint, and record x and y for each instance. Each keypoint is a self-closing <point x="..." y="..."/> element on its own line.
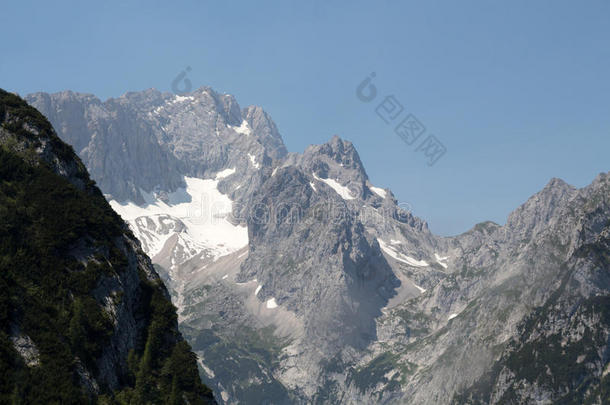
<point x="335" y="293"/>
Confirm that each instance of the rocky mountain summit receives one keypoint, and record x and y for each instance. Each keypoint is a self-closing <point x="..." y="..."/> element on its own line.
<point x="85" y="317"/>
<point x="299" y="281"/>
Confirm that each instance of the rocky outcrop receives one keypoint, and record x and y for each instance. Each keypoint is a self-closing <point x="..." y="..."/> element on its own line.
<point x="559" y="352"/>
<point x="339" y="294"/>
<point x="83" y="310"/>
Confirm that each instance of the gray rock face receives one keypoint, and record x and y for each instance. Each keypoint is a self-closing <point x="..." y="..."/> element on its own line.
<point x="26" y="348"/>
<point x="501" y="275"/>
<point x="331" y="272"/>
<point x="148" y="141"/>
<point x="559" y="351"/>
<point x="341" y="294"/>
<point x="113" y="143"/>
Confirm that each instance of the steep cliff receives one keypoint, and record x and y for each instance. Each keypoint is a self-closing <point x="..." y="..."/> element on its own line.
<point x="298" y="280"/>
<point x="85" y="317"/>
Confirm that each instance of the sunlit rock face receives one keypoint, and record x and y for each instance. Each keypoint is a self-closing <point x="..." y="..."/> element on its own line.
<point x="297" y="280"/>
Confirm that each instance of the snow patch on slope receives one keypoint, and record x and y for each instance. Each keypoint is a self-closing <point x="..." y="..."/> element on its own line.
<point x="182" y="99"/>
<point x="244" y="128"/>
<point x="340" y="189"/>
<point x="253" y="161"/>
<point x="401" y="257"/>
<point x="159" y="228"/>
<point x="379" y="191"/>
<point x="441" y="260"/>
<point x="224" y="173"/>
<point x="200" y="207"/>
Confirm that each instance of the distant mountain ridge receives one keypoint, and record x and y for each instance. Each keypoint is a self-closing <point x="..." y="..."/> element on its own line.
<point x="319" y="287"/>
<point x="144" y="141"/>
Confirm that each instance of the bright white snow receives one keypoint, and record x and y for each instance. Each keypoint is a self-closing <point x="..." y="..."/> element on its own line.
<point x="201" y="207"/>
<point x="224" y="173"/>
<point x="452" y="316"/>
<point x="311" y="183"/>
<point x="400" y="257"/>
<point x="225" y="276"/>
<point x="271" y="303"/>
<point x="440" y="260"/>
<point x="341" y="190"/>
<point x="258" y="289"/>
<point x="395" y="242"/>
<point x="253" y="161"/>
<point x="155" y="241"/>
<point x="379" y="191"/>
<point x="181" y="99"/>
<point x="244" y="128"/>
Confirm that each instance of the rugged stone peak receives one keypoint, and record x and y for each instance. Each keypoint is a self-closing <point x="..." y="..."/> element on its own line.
<point x="262" y="124"/>
<point x="339" y="152"/>
<point x="148" y="141"/>
<point x="337" y="163"/>
<point x="231" y="109"/>
<point x="566" y="268"/>
<point x="138" y="100"/>
<point x="338" y="294"/>
<point x="346" y="264"/>
<point x="537" y="213"/>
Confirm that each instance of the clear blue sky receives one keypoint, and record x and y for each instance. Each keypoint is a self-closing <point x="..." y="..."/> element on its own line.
<point x="518" y="91"/>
